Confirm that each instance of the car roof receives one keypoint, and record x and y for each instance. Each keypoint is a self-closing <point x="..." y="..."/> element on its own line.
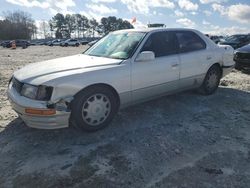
<point x="148" y="30"/>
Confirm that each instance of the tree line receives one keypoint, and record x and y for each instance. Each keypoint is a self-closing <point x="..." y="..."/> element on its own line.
<point x="80" y="26"/>
<point x="20" y="25"/>
<point x="17" y="25"/>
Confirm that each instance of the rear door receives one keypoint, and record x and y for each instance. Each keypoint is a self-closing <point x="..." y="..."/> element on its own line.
<point x="194" y="58"/>
<point x="73" y="42"/>
<point x="156" y="77"/>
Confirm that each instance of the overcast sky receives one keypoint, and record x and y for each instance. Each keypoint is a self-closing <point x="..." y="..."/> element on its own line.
<point x="210" y="16"/>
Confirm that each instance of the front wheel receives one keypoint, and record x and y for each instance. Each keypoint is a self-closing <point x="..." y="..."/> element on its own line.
<point x="94" y="108"/>
<point x="211" y="81"/>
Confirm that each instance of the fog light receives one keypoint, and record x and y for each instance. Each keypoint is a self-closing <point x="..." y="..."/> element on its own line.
<point x="42" y="112"/>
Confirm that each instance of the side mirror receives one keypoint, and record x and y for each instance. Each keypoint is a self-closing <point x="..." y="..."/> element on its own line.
<point x="145" y="56"/>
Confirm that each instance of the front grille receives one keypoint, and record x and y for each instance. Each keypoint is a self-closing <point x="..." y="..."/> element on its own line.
<point x="242" y="56"/>
<point x="17" y="85"/>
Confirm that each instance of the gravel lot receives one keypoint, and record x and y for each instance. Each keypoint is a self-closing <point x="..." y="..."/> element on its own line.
<point x="184" y="140"/>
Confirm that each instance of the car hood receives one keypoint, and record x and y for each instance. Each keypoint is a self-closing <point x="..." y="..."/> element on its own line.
<point x="60" y="65"/>
<point x="244" y="48"/>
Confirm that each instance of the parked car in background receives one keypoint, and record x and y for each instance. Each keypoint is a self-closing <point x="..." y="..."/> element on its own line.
<point x="18" y="42"/>
<point x="215" y="38"/>
<point x="48" y="42"/>
<point x="71" y="42"/>
<point x="22" y="43"/>
<point x="123" y="68"/>
<point x="222" y="38"/>
<point x="84" y="42"/>
<point x="92" y="42"/>
<point x="237" y="41"/>
<point x="242" y="57"/>
<point x="41" y="43"/>
<point x="33" y="43"/>
<point x="56" y="42"/>
<point x="6" y="44"/>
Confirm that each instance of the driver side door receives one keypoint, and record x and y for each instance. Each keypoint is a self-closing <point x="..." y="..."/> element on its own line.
<point x="156" y="77"/>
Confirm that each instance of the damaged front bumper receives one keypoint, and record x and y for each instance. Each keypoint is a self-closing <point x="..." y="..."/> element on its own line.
<point x="22" y="105"/>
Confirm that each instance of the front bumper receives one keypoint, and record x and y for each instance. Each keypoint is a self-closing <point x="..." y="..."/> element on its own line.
<point x="20" y="103"/>
<point x="243" y="62"/>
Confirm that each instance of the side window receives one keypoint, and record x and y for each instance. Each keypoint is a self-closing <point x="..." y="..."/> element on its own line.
<point x="161" y="43"/>
<point x="189" y="41"/>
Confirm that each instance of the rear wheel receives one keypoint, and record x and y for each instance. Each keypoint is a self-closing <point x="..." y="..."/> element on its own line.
<point x="94" y="108"/>
<point x="211" y="81"/>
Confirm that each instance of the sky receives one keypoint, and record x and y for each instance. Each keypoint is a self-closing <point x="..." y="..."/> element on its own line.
<point x="209" y="16"/>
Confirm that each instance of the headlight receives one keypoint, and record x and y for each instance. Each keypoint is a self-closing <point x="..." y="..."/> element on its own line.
<point x="42" y="93"/>
<point x="29" y="91"/>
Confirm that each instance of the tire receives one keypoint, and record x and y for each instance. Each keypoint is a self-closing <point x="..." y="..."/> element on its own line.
<point x="66" y="45"/>
<point x="211" y="81"/>
<point x="77" y="44"/>
<point x="94" y="108"/>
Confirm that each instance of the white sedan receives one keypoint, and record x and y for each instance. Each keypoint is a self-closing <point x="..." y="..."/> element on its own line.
<point x="71" y="42"/>
<point x="123" y="68"/>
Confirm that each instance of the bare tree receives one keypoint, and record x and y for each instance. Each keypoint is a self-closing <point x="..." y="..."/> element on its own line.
<point x="17" y="25"/>
<point x="45" y="29"/>
<point x="93" y="26"/>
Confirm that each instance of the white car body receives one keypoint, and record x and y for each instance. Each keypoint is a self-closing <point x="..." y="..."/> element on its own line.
<point x="134" y="81"/>
<point x="71" y="42"/>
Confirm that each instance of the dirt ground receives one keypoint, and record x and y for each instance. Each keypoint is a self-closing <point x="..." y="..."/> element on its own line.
<point x="180" y="141"/>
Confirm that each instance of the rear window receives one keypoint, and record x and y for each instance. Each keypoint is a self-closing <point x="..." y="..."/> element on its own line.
<point x="189" y="41"/>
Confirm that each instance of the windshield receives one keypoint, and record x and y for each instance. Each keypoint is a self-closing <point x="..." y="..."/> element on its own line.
<point x="116" y="45"/>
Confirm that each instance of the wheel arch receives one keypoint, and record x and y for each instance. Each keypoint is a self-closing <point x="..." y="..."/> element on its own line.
<point x="102" y="85"/>
<point x="219" y="66"/>
<point x="202" y="89"/>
